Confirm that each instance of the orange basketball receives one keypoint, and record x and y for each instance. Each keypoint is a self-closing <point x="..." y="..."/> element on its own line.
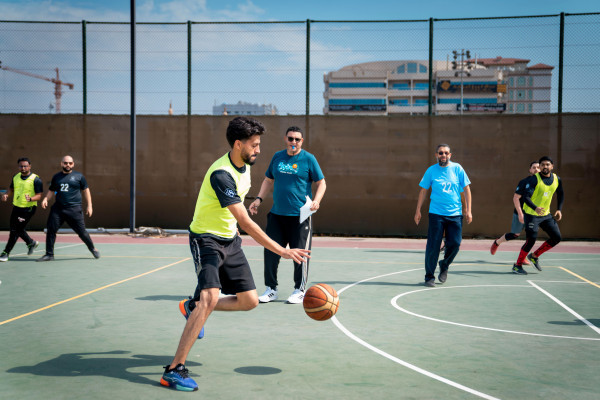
<point x="321" y="302"/>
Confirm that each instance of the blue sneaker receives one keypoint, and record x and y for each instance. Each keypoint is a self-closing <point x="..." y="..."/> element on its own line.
<point x="178" y="379"/>
<point x="184" y="307"/>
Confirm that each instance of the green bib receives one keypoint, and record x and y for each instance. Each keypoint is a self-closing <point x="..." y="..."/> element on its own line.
<point x="542" y="195"/>
<point x="209" y="216"/>
<point x="21" y="187"/>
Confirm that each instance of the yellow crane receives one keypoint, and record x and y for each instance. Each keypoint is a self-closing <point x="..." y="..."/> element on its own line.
<point x="58" y="84"/>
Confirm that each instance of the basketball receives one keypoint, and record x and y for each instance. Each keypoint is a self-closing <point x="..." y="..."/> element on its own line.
<point x="321" y="302"/>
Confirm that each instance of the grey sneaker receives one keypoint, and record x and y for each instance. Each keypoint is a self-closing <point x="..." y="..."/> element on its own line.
<point x="534" y="261"/>
<point x="518" y="269"/>
<point x="4" y="257"/>
<point x="443" y="276"/>
<point x="430" y="283"/>
<point x="32" y="247"/>
<point x="96" y="253"/>
<point x="46" y="257"/>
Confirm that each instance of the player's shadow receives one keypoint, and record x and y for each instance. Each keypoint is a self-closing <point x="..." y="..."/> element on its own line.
<point x="257" y="370"/>
<point x="106" y="364"/>
<point x="594" y="322"/>
<point x="374" y="283"/>
<point x="161" y="297"/>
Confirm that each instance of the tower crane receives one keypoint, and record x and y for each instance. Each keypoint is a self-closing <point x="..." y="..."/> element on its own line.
<point x="58" y="84"/>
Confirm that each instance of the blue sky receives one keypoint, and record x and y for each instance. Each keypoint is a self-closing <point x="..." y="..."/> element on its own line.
<point x="266" y="63"/>
<point x="282" y="10"/>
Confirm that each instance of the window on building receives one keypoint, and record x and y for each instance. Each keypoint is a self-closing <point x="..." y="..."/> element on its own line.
<point x="400" y="69"/>
<point x="399" y="102"/>
<point x="521" y="81"/>
<point x="400" y="86"/>
<point x="511" y="82"/>
<point x="511" y="94"/>
<point x="531" y="81"/>
<point x="356" y="101"/>
<point x="411" y="68"/>
<point x="357" y="84"/>
<point x="520" y="95"/>
<point x="421" y="85"/>
<point x="520" y="107"/>
<point x="510" y="108"/>
<point x="530" y="94"/>
<point x="422" y="69"/>
<point x="421" y="102"/>
<point x="529" y="107"/>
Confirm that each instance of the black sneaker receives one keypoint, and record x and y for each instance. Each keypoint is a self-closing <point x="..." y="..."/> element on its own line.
<point x="443" y="276"/>
<point x="430" y="283"/>
<point x="96" y="253"/>
<point x="517" y="269"/>
<point x="534" y="261"/>
<point x="46" y="257"/>
<point x="32" y="247"/>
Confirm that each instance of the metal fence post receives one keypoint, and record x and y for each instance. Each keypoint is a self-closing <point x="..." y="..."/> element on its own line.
<point x="189" y="68"/>
<point x="84" y="63"/>
<point x="307" y="66"/>
<point x="430" y="102"/>
<point x="561" y="55"/>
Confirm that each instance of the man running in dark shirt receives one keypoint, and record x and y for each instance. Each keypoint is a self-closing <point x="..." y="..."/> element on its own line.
<point x="537" y="194"/>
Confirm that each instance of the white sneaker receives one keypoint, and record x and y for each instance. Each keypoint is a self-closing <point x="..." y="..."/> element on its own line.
<point x="296" y="297"/>
<point x="269" y="295"/>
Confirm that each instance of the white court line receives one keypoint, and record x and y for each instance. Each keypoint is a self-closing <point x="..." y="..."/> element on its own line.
<point x="60" y="247"/>
<point x="397" y="360"/>
<point x="395" y="304"/>
<point x="563" y="305"/>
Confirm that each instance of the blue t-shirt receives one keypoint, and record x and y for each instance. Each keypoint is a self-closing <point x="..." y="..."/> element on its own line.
<point x="293" y="177"/>
<point x="446" y="184"/>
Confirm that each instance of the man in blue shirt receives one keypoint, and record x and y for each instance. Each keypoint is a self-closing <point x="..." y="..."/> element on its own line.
<point x="447" y="180"/>
<point x="290" y="174"/>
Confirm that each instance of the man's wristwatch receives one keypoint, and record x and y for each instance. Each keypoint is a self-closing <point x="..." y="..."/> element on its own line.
<point x="259" y="198"/>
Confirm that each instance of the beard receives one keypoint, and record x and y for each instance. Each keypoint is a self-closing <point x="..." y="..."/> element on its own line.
<point x="66" y="170"/>
<point x="248" y="159"/>
<point x="443" y="163"/>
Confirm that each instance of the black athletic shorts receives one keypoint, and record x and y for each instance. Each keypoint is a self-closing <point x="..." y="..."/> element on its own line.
<point x="220" y="264"/>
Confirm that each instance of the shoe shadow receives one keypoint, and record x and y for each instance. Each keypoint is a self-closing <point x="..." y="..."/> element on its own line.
<point x="106" y="364"/>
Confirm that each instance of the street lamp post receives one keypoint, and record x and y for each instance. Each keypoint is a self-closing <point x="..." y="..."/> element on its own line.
<point x="462" y="67"/>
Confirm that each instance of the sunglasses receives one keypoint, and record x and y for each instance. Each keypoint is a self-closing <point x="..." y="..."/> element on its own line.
<point x="67" y="163"/>
<point x="441" y="153"/>
<point x="291" y="139"/>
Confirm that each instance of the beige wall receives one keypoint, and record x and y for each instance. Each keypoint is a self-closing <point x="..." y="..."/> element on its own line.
<point x="372" y="165"/>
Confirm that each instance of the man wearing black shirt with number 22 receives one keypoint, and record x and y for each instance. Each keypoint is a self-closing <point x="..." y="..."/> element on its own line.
<point x="68" y="185"/>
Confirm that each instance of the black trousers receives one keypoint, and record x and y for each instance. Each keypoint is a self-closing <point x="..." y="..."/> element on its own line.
<point x="73" y="216"/>
<point x="19" y="218"/>
<point x="288" y="230"/>
<point x="547" y="223"/>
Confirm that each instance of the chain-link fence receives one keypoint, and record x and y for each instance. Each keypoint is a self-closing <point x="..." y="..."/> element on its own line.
<point x="525" y="64"/>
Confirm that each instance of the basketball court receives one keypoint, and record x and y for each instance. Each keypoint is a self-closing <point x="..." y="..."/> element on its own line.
<point x="79" y="327"/>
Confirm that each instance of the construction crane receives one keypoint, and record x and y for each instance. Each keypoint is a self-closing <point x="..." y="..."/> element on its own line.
<point x="58" y="84"/>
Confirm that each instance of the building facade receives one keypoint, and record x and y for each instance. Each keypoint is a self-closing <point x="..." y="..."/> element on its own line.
<point x="244" y="108"/>
<point x="488" y="85"/>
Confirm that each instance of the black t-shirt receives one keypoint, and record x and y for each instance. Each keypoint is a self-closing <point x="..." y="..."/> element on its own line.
<point x="521" y="187"/>
<point x="67" y="188"/>
<point x="224" y="186"/>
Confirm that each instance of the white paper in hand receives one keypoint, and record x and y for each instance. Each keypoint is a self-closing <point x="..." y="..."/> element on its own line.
<point x="305" y="210"/>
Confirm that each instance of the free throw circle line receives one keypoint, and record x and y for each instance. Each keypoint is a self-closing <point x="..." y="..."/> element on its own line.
<point x="394" y="302"/>
<point x="395" y="359"/>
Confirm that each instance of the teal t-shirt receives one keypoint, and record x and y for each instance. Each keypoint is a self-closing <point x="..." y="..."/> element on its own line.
<point x="446" y="185"/>
<point x="293" y="176"/>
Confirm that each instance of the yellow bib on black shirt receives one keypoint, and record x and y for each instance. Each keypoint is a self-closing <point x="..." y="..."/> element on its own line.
<point x="542" y="195"/>
<point x="21" y="187"/>
<point x="209" y="216"/>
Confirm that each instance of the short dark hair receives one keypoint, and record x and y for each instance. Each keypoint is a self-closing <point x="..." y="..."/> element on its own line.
<point x="243" y="128"/>
<point x="294" y="129"/>
<point x="24" y="159"/>
<point x="546" y="158"/>
<point x="443" y="145"/>
<point x="533" y="162"/>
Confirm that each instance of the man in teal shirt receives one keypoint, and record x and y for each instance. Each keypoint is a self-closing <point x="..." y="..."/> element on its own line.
<point x="447" y="180"/>
<point x="291" y="174"/>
